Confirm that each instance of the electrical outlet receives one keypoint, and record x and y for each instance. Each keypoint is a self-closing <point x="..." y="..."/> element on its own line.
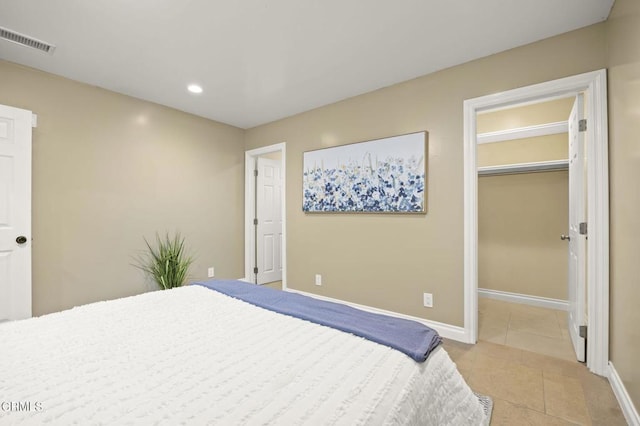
<point x="318" y="279"/>
<point x="211" y="272"/>
<point x="427" y="299"/>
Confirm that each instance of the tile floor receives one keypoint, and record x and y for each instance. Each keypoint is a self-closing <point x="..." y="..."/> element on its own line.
<point x="526" y="327"/>
<point x="524" y="361"/>
<point x="276" y="284"/>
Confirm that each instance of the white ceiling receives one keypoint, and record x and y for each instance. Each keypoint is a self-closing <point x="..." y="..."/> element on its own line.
<point x="262" y="60"/>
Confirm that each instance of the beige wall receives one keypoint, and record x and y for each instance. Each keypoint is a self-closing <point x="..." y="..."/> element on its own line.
<point x="524" y="116"/>
<point x="539" y="148"/>
<point x="623" y="45"/>
<point x="388" y="261"/>
<point x="109" y="170"/>
<point x="277" y="155"/>
<point x="520" y="219"/>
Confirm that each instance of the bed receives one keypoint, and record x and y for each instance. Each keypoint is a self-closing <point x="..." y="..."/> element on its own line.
<point x="195" y="355"/>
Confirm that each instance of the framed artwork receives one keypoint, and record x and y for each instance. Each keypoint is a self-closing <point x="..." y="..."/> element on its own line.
<point x="378" y="176"/>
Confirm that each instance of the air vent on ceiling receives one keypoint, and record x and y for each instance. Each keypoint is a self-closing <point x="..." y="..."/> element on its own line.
<point x="24" y="40"/>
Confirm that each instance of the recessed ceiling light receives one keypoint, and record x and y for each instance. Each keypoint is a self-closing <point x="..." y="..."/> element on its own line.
<point x="194" y="88"/>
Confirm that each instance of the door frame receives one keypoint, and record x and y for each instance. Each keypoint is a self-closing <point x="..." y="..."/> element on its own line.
<point x="594" y="84"/>
<point x="250" y="162"/>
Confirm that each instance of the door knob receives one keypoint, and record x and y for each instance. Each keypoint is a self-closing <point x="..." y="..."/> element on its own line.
<point x="21" y="239"/>
<point x="565" y="237"/>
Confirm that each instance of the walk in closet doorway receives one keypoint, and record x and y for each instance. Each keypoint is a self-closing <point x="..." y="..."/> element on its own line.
<point x="523" y="212"/>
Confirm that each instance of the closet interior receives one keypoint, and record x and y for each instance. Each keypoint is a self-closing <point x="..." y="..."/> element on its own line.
<point x="523" y="209"/>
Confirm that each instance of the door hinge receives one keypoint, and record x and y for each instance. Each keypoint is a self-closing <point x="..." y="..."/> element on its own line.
<point x="255" y="270"/>
<point x="583" y="228"/>
<point x="582" y="125"/>
<point x="582" y="330"/>
<point x="255" y="221"/>
<point x="34" y="120"/>
<point x="255" y="172"/>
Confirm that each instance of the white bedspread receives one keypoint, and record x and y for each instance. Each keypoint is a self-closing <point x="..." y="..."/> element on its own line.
<point x="194" y="356"/>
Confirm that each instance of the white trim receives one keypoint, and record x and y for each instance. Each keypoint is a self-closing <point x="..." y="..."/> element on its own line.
<point x="594" y="84"/>
<point x="524" y="299"/>
<point x="444" y="330"/>
<point x="626" y="403"/>
<point x="249" y="208"/>
<point x="598" y="214"/>
<point x="470" y="267"/>
<point x="524" y="132"/>
<point x="537" y="166"/>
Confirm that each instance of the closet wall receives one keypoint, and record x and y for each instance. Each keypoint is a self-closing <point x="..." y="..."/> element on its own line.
<point x="521" y="216"/>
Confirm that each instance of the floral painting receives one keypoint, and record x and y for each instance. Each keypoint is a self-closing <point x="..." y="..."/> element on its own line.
<point x="379" y="176"/>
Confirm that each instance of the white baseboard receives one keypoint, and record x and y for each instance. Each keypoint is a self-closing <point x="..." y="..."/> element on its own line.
<point x="626" y="404"/>
<point x="525" y="299"/>
<point x="444" y="330"/>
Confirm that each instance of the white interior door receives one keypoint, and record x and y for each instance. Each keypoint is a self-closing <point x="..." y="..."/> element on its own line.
<point x="269" y="216"/>
<point x="15" y="213"/>
<point x="577" y="241"/>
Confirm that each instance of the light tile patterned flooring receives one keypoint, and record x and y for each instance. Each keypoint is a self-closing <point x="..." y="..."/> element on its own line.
<point x="530" y="382"/>
<point x="526" y="327"/>
<point x="276" y="284"/>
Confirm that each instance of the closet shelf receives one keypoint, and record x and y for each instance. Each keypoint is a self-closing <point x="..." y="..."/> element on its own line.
<point x="524" y="132"/>
<point x="539" y="166"/>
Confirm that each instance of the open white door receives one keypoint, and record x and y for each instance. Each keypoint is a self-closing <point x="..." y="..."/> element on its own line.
<point x="269" y="221"/>
<point x="15" y="213"/>
<point x="577" y="229"/>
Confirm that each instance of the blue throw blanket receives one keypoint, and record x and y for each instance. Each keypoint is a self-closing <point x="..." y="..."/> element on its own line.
<point x="410" y="337"/>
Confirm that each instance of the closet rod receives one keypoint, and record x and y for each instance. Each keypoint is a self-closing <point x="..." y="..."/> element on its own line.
<point x="540" y="166"/>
